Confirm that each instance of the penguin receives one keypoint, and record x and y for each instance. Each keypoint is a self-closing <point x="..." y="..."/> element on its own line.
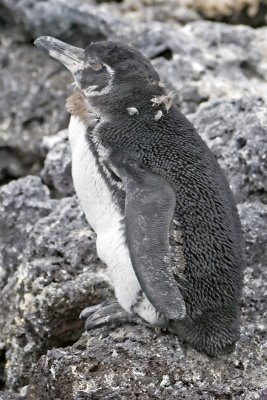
<point x="166" y="222"/>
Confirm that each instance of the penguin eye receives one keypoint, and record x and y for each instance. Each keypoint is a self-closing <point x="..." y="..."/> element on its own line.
<point x="96" y="67"/>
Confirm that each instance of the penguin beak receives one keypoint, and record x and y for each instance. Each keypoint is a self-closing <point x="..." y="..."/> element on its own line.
<point x="70" y="56"/>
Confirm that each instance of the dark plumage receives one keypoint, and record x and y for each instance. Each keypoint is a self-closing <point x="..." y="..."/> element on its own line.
<point x="205" y="234"/>
<point x="211" y="282"/>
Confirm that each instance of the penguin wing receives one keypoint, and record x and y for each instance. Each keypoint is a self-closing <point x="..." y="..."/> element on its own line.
<point x="149" y="206"/>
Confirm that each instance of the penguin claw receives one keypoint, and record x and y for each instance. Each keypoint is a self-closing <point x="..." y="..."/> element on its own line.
<point x="90" y="310"/>
<point x="107" y="313"/>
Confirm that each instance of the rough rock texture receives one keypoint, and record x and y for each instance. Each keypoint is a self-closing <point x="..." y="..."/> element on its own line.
<point x="236" y="132"/>
<point x="56" y="173"/>
<point x="10" y="396"/>
<point x="33" y="91"/>
<point x="197" y="64"/>
<point x="22" y="203"/>
<point x="49" y="270"/>
<point x="124" y="363"/>
<point x="137" y="363"/>
<point x="58" y="274"/>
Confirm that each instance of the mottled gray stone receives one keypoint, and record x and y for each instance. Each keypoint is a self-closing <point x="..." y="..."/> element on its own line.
<point x="201" y="60"/>
<point x="55" y="275"/>
<point x="33" y="93"/>
<point x="59" y="274"/>
<point x="135" y="362"/>
<point x="236" y="132"/>
<point x="254" y="216"/>
<point x="10" y="396"/>
<point x="64" y="19"/>
<point x="212" y="60"/>
<point x="56" y="173"/>
<point x="49" y="270"/>
<point x="22" y="203"/>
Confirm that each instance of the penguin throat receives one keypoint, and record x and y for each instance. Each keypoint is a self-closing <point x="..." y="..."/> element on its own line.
<point x="78" y="105"/>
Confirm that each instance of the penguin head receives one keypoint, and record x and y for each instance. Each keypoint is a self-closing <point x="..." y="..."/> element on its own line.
<point x="108" y="73"/>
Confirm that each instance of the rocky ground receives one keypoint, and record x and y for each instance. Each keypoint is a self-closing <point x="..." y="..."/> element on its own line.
<point x="49" y="270"/>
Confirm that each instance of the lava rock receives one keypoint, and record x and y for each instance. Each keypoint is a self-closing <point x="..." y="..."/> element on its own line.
<point x="56" y="173"/>
<point x="229" y="62"/>
<point x="10" y="396"/>
<point x="254" y="216"/>
<point x="51" y="273"/>
<point x="200" y="61"/>
<point x="136" y="362"/>
<point x="22" y="203"/>
<point x="64" y="20"/>
<point x="33" y="92"/>
<point x="236" y="131"/>
<point x="49" y="270"/>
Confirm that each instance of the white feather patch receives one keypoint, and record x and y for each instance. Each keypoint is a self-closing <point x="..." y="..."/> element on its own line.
<point x="158" y="115"/>
<point x="132" y="111"/>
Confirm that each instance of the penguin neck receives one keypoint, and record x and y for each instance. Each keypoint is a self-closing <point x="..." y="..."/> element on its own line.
<point x="109" y="107"/>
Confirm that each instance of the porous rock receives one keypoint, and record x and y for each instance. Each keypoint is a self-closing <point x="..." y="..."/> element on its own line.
<point x="54" y="274"/>
<point x="22" y="203"/>
<point x="56" y="173"/>
<point x="132" y="361"/>
<point x="10" y="396"/>
<point x="49" y="268"/>
<point x="196" y="64"/>
<point x="236" y="132"/>
<point x="200" y="66"/>
<point x="59" y="274"/>
<point x="73" y="19"/>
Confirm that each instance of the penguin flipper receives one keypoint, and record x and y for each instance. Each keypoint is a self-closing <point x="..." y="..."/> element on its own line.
<point x="149" y="207"/>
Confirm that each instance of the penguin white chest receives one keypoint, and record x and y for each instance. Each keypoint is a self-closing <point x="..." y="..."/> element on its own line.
<point x="91" y="188"/>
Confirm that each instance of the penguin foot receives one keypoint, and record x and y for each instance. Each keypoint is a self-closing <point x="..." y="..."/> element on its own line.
<point x="108" y="313"/>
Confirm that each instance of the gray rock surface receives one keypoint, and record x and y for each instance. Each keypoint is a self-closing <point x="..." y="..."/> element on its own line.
<point x="197" y="64"/>
<point x="53" y="274"/>
<point x="49" y="270"/>
<point x="236" y="132"/>
<point x="135" y="362"/>
<point x="56" y="173"/>
<point x="10" y="396"/>
<point x="22" y="203"/>
<point x="33" y="92"/>
<point x="58" y="274"/>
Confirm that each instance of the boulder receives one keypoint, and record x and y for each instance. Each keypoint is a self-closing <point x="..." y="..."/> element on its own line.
<point x="49" y="269"/>
<point x="236" y="131"/>
<point x="50" y="273"/>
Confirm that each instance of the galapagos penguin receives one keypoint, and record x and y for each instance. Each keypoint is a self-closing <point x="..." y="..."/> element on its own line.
<point x="166" y="222"/>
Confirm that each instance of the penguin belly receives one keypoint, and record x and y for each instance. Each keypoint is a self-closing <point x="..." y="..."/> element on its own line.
<point x="106" y="219"/>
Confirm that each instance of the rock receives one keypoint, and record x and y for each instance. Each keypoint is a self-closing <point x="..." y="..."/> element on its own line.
<point x="34" y="90"/>
<point x="75" y="19"/>
<point x="199" y="66"/>
<point x="53" y="273"/>
<point x="10" y="396"/>
<point x="235" y="131"/>
<point x="246" y="12"/>
<point x="133" y="361"/>
<point x="32" y="105"/>
<point x="254" y="216"/>
<point x="49" y="270"/>
<point x="58" y="274"/>
<point x="56" y="173"/>
<point x="22" y="203"/>
<point x="251" y="12"/>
